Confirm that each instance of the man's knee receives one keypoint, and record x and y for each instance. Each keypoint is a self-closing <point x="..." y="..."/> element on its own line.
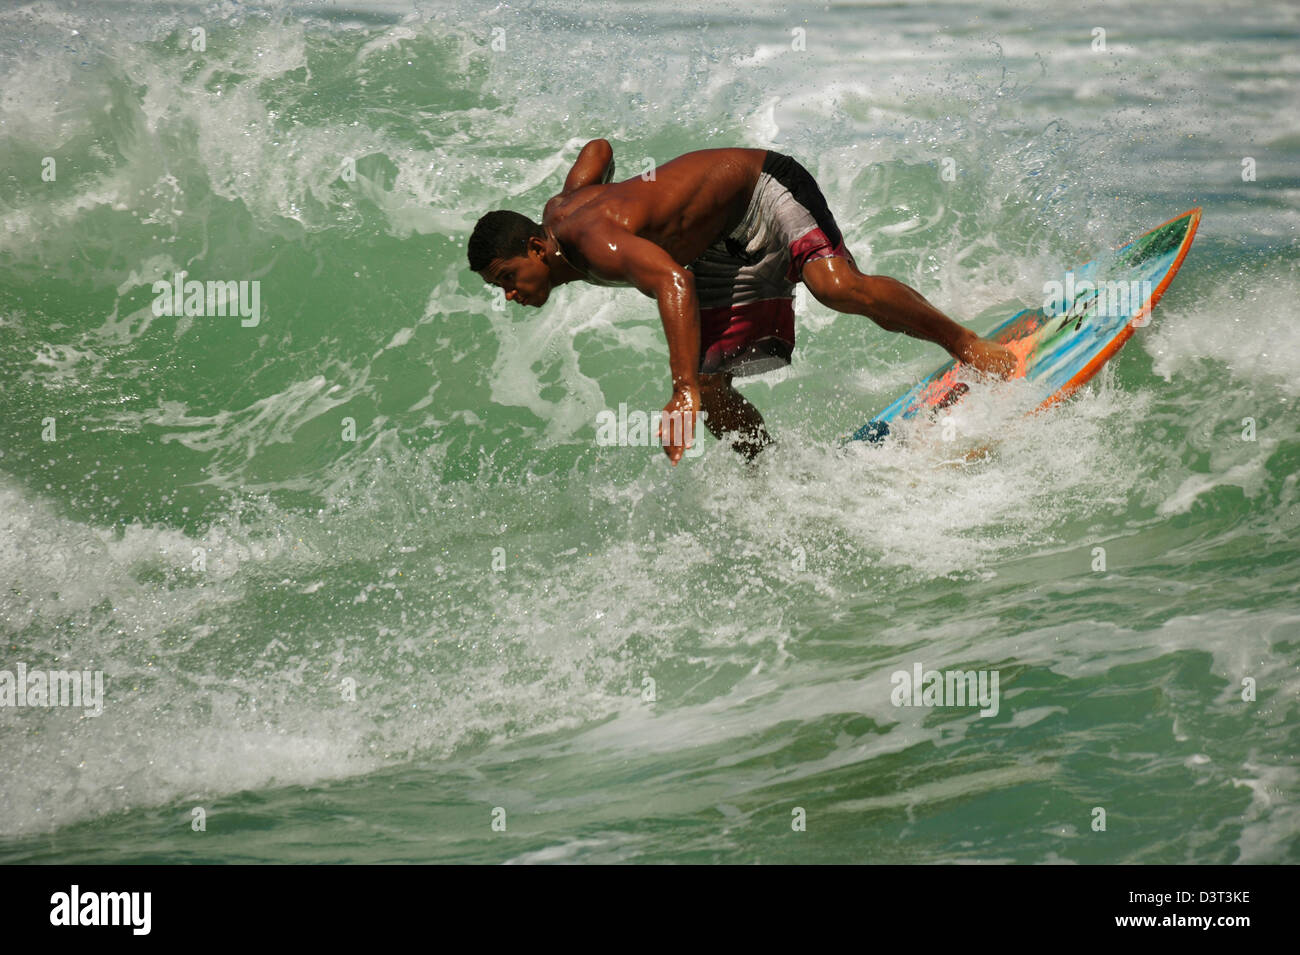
<point x="837" y="284"/>
<point x="715" y="392"/>
<point x="714" y="387"/>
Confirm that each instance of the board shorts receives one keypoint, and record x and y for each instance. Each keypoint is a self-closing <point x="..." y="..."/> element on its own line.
<point x="745" y="281"/>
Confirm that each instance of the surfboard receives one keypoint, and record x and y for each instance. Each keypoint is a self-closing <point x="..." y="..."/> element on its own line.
<point x="1085" y="318"/>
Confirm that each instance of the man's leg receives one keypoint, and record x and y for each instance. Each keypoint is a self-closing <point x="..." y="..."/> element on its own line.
<point x="837" y="284"/>
<point x="729" y="413"/>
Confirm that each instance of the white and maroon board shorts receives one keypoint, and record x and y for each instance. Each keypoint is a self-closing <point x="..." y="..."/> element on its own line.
<point x="745" y="280"/>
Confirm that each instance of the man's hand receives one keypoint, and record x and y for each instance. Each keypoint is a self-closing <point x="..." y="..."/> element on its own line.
<point x="677" y="426"/>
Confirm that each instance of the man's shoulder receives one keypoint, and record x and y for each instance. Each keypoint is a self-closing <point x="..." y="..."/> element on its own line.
<point x="563" y="206"/>
<point x="577" y="219"/>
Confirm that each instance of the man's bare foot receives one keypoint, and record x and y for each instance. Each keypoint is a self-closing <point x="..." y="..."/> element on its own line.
<point x="990" y="357"/>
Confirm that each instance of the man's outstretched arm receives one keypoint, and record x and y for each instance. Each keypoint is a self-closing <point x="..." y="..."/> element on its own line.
<point x="594" y="164"/>
<point x="616" y="253"/>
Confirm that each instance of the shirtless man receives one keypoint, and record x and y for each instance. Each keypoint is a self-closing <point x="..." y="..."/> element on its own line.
<point x="717" y="238"/>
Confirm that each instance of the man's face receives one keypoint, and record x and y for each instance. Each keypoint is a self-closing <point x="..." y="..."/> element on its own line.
<point x="524" y="278"/>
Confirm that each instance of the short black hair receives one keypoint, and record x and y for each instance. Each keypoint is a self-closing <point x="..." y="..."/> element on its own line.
<point x="500" y="235"/>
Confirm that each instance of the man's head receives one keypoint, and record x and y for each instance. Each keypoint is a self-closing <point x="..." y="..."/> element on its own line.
<point x="508" y="250"/>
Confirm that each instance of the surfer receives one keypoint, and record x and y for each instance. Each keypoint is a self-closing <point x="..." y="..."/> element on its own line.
<point x="718" y="238"/>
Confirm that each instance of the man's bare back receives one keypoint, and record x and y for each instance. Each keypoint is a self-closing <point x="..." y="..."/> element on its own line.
<point x="689" y="203"/>
<point x="726" y="229"/>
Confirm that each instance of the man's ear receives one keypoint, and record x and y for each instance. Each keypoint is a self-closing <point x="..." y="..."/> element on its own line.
<point x="537" y="244"/>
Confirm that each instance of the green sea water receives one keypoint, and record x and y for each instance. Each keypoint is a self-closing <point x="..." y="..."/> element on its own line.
<point x="363" y="584"/>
